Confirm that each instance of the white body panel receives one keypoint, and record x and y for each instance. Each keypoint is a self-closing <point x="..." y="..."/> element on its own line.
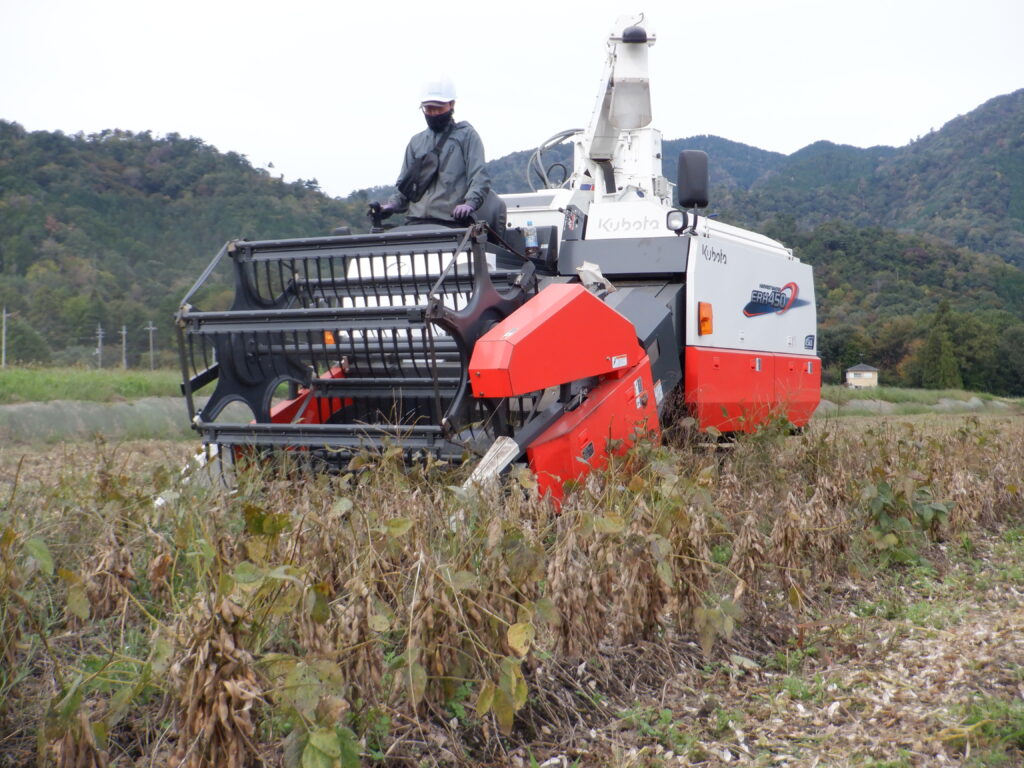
<point x="544" y="208"/>
<point x="761" y="295"/>
<point x="638" y="217"/>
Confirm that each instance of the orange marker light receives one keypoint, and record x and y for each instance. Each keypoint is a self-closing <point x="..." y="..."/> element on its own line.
<point x="328" y="337"/>
<point x="705" y="321"/>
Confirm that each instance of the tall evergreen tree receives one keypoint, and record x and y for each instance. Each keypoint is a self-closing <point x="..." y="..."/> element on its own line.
<point x="939" y="369"/>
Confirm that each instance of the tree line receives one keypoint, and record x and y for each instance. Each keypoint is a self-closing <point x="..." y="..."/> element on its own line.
<point x="111" y="230"/>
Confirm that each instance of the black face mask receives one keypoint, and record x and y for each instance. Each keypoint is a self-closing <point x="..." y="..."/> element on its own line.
<point x="438" y="123"/>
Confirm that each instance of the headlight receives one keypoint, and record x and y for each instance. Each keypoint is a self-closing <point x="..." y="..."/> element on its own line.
<point x="676" y="221"/>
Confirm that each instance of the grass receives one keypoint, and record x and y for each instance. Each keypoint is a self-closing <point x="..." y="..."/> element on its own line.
<point x="32" y="384"/>
<point x="24" y="384"/>
<point x="838" y="393"/>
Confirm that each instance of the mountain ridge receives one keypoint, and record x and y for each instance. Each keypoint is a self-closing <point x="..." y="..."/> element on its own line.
<point x="109" y="230"/>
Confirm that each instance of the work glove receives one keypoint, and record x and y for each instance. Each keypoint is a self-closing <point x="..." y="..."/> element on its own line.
<point x="383" y="211"/>
<point x="462" y="211"/>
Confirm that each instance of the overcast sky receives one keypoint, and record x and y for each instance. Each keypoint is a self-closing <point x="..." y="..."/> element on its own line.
<point x="330" y="90"/>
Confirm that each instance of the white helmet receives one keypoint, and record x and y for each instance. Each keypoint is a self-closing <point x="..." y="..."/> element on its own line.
<point x="439" y="89"/>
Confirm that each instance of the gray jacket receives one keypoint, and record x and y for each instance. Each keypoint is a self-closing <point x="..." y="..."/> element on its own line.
<point x="462" y="177"/>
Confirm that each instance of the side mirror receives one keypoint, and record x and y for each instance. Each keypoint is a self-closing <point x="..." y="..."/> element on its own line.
<point x="692" y="179"/>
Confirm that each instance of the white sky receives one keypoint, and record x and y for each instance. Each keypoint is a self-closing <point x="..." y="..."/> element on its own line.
<point x="330" y="90"/>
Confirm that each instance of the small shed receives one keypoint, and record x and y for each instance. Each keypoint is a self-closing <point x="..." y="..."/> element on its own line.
<point x="861" y="376"/>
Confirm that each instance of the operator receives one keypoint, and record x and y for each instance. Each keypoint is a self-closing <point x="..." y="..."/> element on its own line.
<point x="449" y="195"/>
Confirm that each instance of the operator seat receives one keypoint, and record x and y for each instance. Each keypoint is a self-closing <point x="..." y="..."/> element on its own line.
<point x="493" y="212"/>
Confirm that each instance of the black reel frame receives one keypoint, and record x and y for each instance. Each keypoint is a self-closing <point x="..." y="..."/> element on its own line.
<point x="371" y="335"/>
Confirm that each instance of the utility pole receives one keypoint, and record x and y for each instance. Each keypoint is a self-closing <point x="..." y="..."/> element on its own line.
<point x="99" y="345"/>
<point x="150" y="327"/>
<point x="3" y="354"/>
<point x="124" y="347"/>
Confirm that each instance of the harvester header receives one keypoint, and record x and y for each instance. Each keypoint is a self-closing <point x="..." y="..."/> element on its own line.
<point x="465" y="344"/>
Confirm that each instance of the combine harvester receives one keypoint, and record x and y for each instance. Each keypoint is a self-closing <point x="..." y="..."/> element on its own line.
<point x="576" y="319"/>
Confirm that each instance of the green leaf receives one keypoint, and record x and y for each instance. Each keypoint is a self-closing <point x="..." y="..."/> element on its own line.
<point x="707" y="634"/>
<point x="349" y="748"/>
<point x="259" y="522"/>
<point x="504" y="711"/>
<point x="247" y="573"/>
<point x="316" y="603"/>
<point x="285" y="573"/>
<point x="521" y="691"/>
<point x="39" y="552"/>
<point x="463" y="580"/>
<point x="795" y="598"/>
<point x="325" y="740"/>
<point x="60" y="711"/>
<point x="121" y="700"/>
<point x="731" y="608"/>
<point x="742" y="662"/>
<point x="284" y="601"/>
<point x="397" y="527"/>
<point x="277" y="665"/>
<point x="547" y="612"/>
<point x="661" y="547"/>
<point x="611" y="523"/>
<point x="378" y="622"/>
<point x="291" y="754"/>
<point x="99" y="733"/>
<point x="78" y="601"/>
<point x="328" y="673"/>
<point x="485" y="698"/>
<point x="520" y="637"/>
<point x="527" y="479"/>
<point x="314" y="758"/>
<point x="511" y="668"/>
<point x="161" y="651"/>
<point x="417" y="682"/>
<point x="664" y="571"/>
<point x="301" y="689"/>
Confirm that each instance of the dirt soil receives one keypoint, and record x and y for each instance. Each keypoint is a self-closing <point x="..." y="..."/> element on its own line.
<point x="922" y="667"/>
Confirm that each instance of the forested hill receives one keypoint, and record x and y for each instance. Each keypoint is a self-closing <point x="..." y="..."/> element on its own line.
<point x="963" y="183"/>
<point x="111" y="230"/>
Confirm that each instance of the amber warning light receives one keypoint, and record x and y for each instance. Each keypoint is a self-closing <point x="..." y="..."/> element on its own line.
<point x="705" y="318"/>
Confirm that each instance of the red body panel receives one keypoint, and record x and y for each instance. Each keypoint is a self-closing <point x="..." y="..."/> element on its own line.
<point x="617" y="409"/>
<point x="735" y="391"/>
<point x="562" y="334"/>
<point x="304" y="409"/>
<point x="798" y="387"/>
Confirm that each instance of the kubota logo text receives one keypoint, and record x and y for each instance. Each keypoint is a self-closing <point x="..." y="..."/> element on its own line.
<point x="628" y="225"/>
<point x="713" y="254"/>
<point x="768" y="299"/>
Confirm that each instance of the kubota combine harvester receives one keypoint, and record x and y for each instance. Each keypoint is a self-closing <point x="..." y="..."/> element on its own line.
<point x="483" y="344"/>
